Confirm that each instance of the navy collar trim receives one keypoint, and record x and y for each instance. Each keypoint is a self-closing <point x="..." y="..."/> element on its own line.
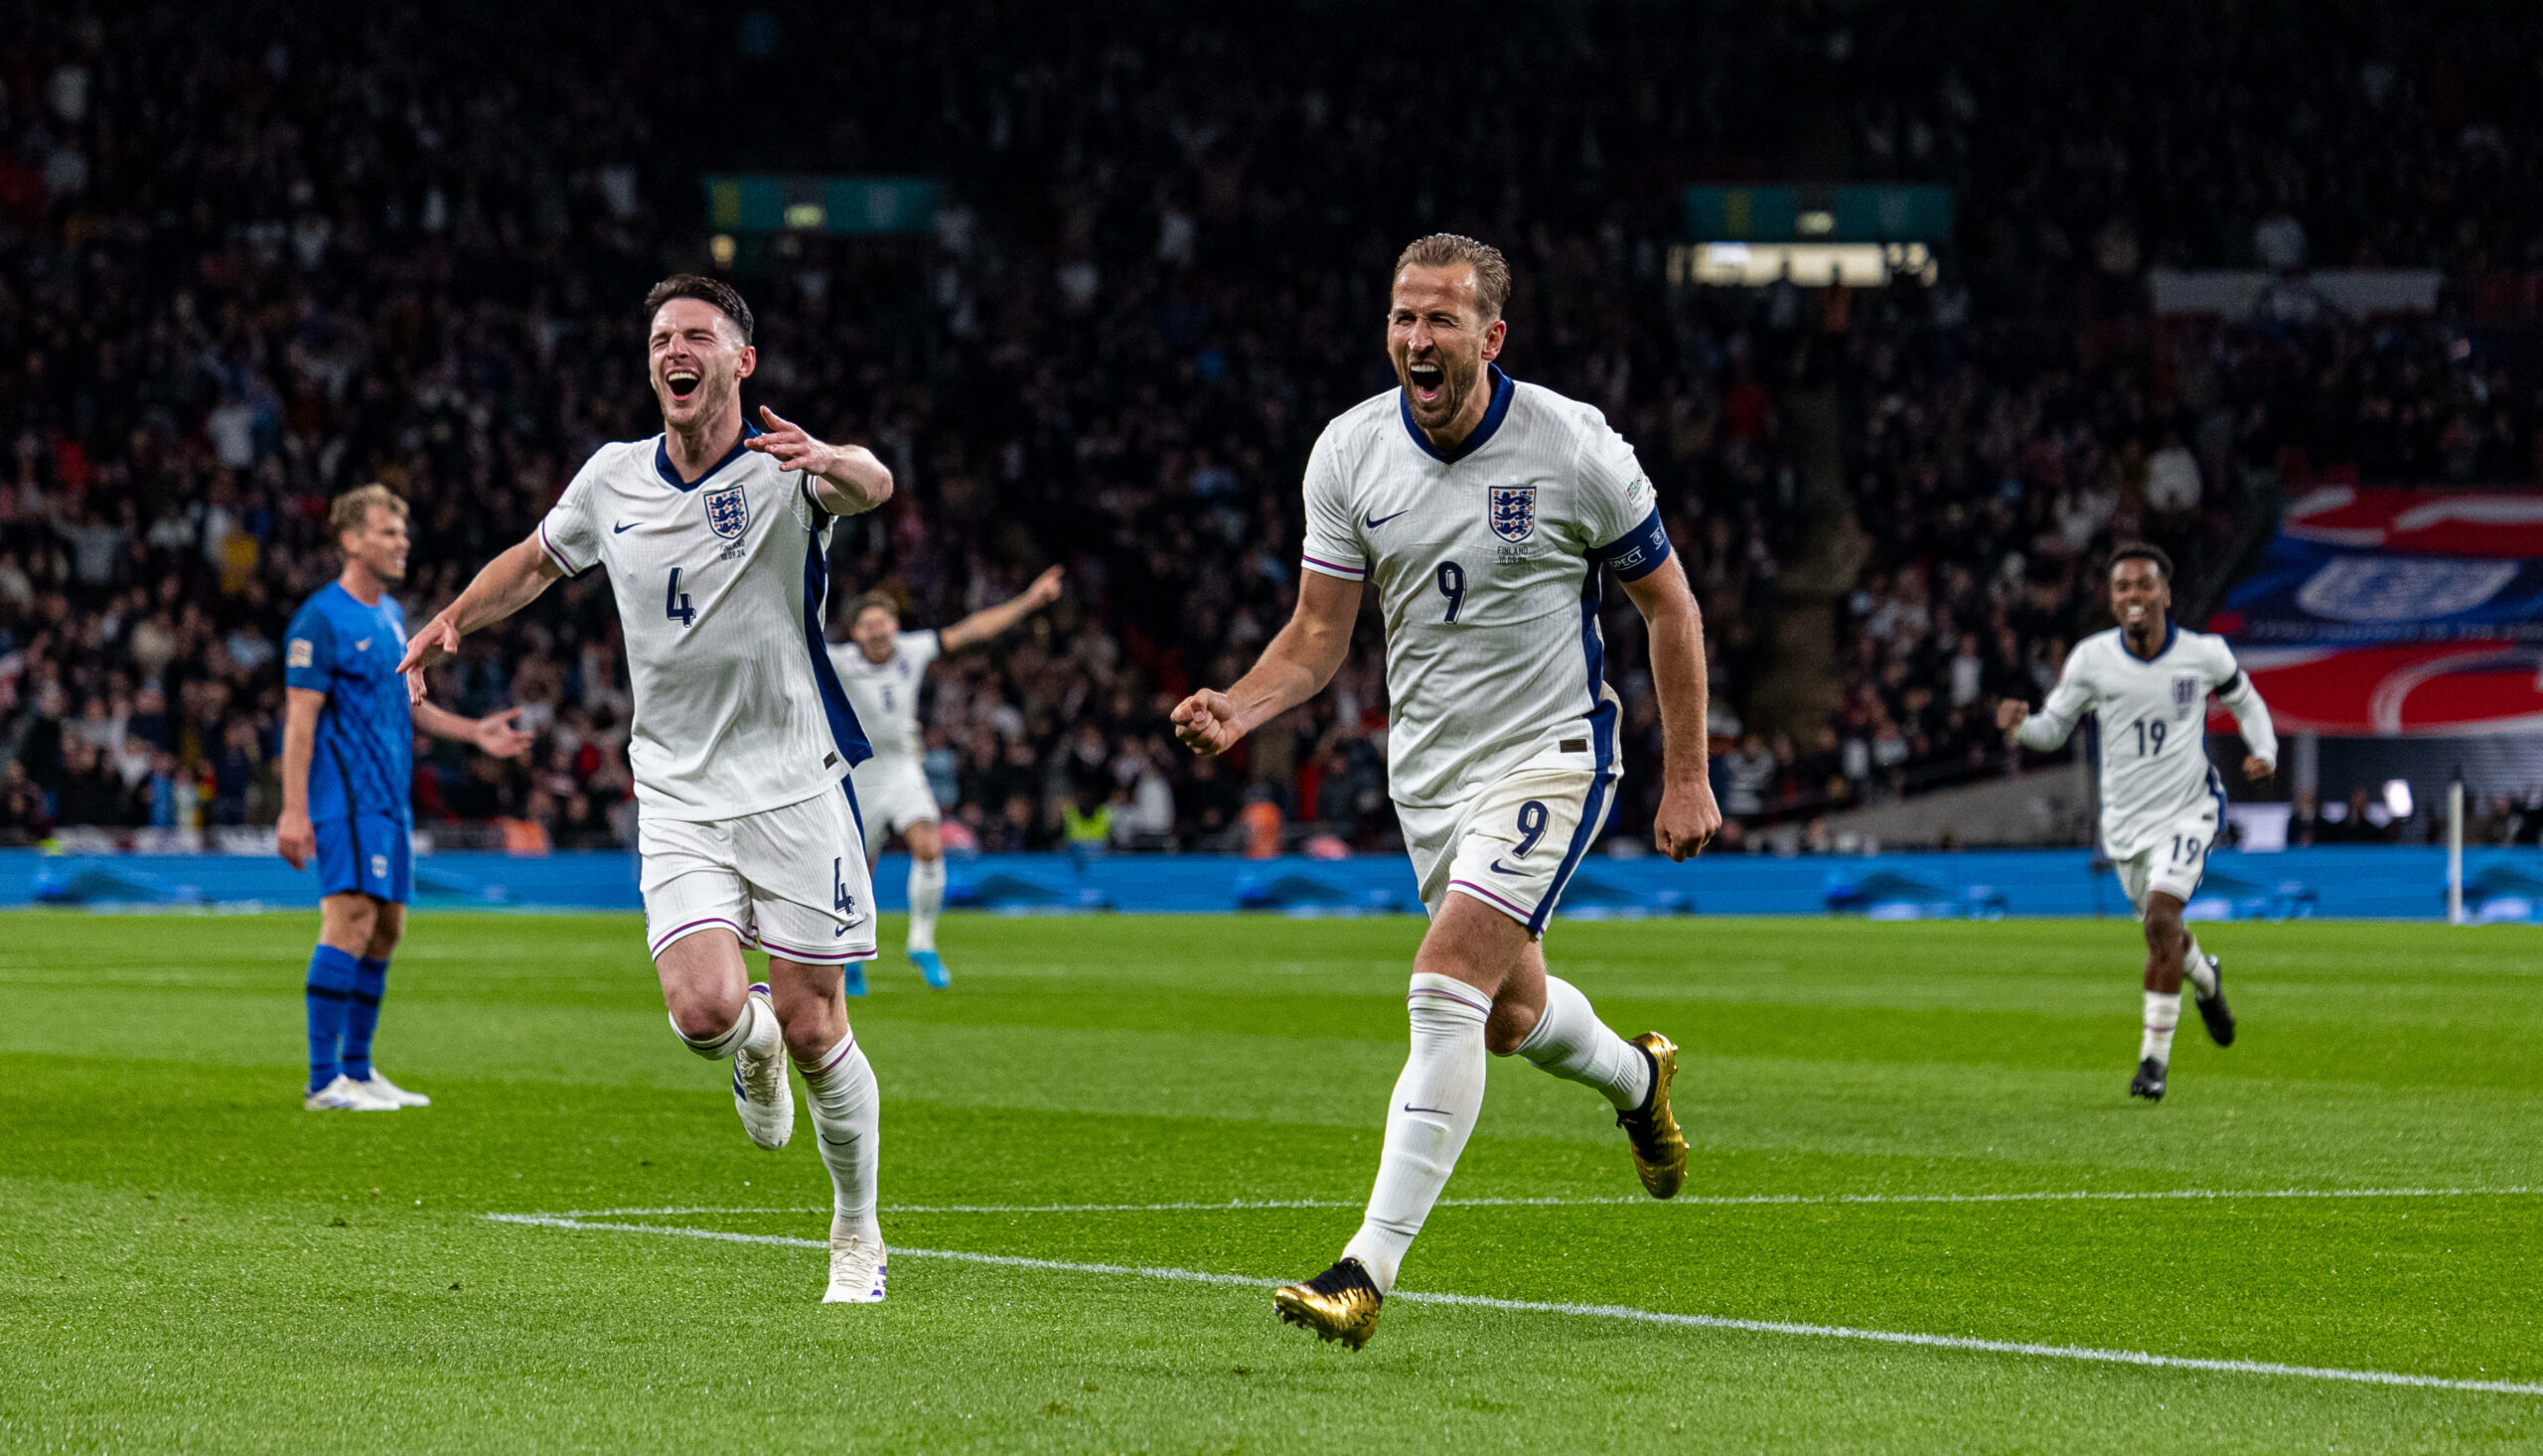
<point x="2172" y="634"/>
<point x="1503" y="388"/>
<point x="662" y="458"/>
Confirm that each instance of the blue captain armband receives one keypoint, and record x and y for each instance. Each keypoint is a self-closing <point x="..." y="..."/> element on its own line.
<point x="1638" y="552"/>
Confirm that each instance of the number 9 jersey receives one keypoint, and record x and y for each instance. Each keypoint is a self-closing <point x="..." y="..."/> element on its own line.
<point x="1486" y="560"/>
<point x="2161" y="799"/>
<point x="719" y="584"/>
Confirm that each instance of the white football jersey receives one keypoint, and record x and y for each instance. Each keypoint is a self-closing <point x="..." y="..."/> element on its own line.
<point x="719" y="584"/>
<point x="1486" y="563"/>
<point x="886" y="694"/>
<point x="2154" y="728"/>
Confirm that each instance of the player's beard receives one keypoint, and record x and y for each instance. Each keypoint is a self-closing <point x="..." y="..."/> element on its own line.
<point x="1456" y="382"/>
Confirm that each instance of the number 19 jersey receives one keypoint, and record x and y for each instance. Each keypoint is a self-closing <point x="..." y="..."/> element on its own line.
<point x="719" y="584"/>
<point x="2154" y="730"/>
<point x="1486" y="561"/>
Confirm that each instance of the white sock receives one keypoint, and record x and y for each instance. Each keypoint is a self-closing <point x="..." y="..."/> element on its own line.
<point x="2194" y="965"/>
<point x="755" y="1031"/>
<point x="1427" y="1120"/>
<point x="1573" y="1044"/>
<point x="847" y="1118"/>
<point x="2162" y="1013"/>
<point x="927" y="898"/>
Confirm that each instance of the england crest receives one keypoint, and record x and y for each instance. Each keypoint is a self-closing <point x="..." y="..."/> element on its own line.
<point x="728" y="511"/>
<point x="2184" y="691"/>
<point x="1514" y="512"/>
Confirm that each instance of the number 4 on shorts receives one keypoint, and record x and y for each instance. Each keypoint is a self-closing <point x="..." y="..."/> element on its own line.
<point x="840" y="900"/>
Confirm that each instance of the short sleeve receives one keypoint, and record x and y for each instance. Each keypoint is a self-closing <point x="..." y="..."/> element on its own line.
<point x="2224" y="672"/>
<point x="1619" y="511"/>
<point x="919" y="647"/>
<point x="568" y="533"/>
<point x="1333" y="545"/>
<point x="309" y="651"/>
<point x="2073" y="696"/>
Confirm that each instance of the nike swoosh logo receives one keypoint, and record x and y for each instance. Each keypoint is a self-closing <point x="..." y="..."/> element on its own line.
<point x="621" y="526"/>
<point x="363" y="645"/>
<point x="837" y="930"/>
<point x="833" y="1141"/>
<point x="1374" y="521"/>
<point x="1499" y="868"/>
<point x="1443" y="1111"/>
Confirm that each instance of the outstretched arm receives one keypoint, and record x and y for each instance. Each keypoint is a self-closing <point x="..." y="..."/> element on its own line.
<point x="845" y="479"/>
<point x="1295" y="668"/>
<point x="498" y="734"/>
<point x="990" y="621"/>
<point x="1688" y="814"/>
<point x="2048" y="729"/>
<point x="508" y="583"/>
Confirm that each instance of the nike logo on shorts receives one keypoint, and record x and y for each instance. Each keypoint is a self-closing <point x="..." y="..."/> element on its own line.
<point x="621" y="526"/>
<point x="1499" y="868"/>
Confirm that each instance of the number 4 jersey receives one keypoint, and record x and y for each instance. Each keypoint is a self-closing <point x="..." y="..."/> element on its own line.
<point x="1486" y="562"/>
<point x="719" y="583"/>
<point x="2154" y="728"/>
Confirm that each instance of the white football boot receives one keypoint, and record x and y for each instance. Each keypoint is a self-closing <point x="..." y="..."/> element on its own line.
<point x="380" y="1086"/>
<point x="343" y="1095"/>
<point x="761" y="1092"/>
<point x="857" y="1267"/>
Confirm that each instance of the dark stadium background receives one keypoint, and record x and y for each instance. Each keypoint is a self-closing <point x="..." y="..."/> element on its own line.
<point x="254" y="255"/>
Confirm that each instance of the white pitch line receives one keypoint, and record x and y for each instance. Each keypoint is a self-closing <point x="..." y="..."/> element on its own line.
<point x="2082" y="1353"/>
<point x="1701" y="1200"/>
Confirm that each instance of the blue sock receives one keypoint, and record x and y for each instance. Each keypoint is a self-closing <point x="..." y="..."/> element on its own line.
<point x="331" y="984"/>
<point x="362" y="1015"/>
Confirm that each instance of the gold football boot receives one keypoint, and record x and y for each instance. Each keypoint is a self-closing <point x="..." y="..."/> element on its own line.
<point x="1339" y="1304"/>
<point x="1659" y="1148"/>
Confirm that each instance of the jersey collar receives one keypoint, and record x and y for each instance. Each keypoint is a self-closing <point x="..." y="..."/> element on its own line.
<point x="1503" y="387"/>
<point x="2172" y="634"/>
<point x="663" y="457"/>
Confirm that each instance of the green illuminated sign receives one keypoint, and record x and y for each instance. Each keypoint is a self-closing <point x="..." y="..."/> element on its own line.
<point x="1818" y="213"/>
<point x="847" y="206"/>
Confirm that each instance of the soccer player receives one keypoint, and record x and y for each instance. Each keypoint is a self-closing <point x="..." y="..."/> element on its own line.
<point x="881" y="667"/>
<point x="713" y="532"/>
<point x="1483" y="509"/>
<point x="348" y="738"/>
<point x="2163" y="802"/>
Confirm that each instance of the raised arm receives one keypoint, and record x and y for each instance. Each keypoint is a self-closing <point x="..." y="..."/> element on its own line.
<point x="845" y="480"/>
<point x="508" y="583"/>
<point x="2048" y="729"/>
<point x="1295" y="668"/>
<point x="1688" y="814"/>
<point x="990" y="621"/>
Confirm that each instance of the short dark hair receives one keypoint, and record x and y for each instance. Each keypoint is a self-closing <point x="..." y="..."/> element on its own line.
<point x="2143" y="551"/>
<point x="714" y="292"/>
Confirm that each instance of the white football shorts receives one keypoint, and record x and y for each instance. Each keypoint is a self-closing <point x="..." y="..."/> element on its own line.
<point x="790" y="881"/>
<point x="2174" y="863"/>
<point x="893" y="794"/>
<point x="1515" y="844"/>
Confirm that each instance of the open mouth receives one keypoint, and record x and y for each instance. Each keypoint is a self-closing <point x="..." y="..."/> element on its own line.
<point x="682" y="382"/>
<point x="1427" y="382"/>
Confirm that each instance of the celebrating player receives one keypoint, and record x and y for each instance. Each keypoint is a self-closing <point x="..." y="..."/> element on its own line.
<point x="1483" y="509"/>
<point x="2161" y="799"/>
<point x="881" y="667"/>
<point x="346" y="715"/>
<point x="714" y="534"/>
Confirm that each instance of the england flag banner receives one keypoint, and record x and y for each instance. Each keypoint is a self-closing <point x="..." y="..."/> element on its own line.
<point x="2398" y="612"/>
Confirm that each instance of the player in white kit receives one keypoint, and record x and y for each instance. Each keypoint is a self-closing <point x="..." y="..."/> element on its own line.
<point x="1484" y="511"/>
<point x="2163" y="802"/>
<point x="713" y="533"/>
<point x="882" y="669"/>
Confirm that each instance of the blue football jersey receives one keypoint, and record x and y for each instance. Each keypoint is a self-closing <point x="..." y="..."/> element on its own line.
<point x="364" y="763"/>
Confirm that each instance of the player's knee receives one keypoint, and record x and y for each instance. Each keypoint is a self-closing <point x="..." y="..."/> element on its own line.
<point x="703" y="1012"/>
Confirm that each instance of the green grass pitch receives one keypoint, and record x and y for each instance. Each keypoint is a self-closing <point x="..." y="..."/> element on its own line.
<point x="191" y="1263"/>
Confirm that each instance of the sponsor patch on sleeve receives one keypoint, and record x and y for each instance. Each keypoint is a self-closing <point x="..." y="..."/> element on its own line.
<point x="303" y="652"/>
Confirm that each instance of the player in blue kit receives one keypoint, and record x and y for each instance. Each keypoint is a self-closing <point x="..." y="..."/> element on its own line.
<point x="347" y="769"/>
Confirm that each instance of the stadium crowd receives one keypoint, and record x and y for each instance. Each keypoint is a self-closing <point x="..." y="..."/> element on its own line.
<point x="1159" y="269"/>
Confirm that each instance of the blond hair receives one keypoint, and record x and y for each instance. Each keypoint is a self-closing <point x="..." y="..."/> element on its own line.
<point x="1447" y="250"/>
<point x="351" y="509"/>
